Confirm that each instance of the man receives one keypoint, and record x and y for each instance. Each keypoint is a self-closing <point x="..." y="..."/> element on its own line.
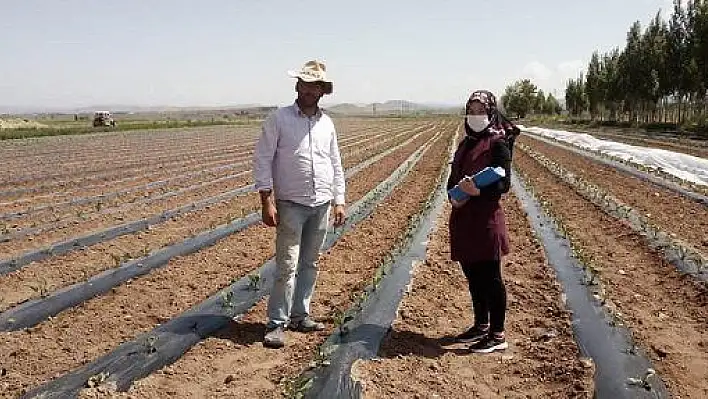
<point x="298" y="173"/>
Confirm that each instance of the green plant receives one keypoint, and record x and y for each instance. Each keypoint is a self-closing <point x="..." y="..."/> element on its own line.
<point x="254" y="281"/>
<point x="40" y="287"/>
<point x="97" y="379"/>
<point x="116" y="259"/>
<point x="150" y="344"/>
<point x="227" y="299"/>
<point x="145" y="251"/>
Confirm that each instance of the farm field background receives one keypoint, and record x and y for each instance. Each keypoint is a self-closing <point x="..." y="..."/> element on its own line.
<point x="109" y="240"/>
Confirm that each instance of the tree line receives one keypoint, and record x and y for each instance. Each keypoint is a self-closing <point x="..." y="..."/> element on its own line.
<point x="661" y="74"/>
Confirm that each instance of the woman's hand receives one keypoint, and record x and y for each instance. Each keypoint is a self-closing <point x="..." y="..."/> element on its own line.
<point x="468" y="186"/>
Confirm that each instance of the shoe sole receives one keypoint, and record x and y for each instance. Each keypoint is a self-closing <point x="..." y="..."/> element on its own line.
<point x="273" y="345"/>
<point x="497" y="347"/>
<point x="306" y="330"/>
<point x="468" y="340"/>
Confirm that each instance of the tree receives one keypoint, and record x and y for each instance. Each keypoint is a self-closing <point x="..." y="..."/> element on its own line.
<point x="551" y="106"/>
<point x="520" y="97"/>
<point x="593" y="85"/>
<point x="611" y="83"/>
<point x="699" y="29"/>
<point x="575" y="99"/>
<point x="662" y="71"/>
<point x="539" y="102"/>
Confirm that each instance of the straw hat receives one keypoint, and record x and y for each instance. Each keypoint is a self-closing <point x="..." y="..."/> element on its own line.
<point x="313" y="71"/>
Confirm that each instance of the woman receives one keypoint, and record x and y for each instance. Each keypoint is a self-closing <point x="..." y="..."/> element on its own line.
<point x="478" y="234"/>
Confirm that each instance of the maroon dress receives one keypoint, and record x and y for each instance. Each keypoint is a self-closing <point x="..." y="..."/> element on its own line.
<point x="478" y="229"/>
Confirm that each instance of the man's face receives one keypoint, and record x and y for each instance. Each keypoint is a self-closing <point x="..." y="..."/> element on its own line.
<point x="309" y="93"/>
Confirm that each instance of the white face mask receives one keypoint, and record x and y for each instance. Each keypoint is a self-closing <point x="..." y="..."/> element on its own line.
<point x="477" y="122"/>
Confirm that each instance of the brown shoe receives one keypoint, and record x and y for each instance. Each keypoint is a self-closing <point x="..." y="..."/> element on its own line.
<point x="274" y="338"/>
<point x="306" y="325"/>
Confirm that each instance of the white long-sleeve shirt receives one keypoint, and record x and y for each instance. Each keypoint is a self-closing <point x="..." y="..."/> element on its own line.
<point x="298" y="158"/>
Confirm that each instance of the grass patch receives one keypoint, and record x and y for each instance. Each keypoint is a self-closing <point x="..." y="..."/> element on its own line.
<point x="57" y="130"/>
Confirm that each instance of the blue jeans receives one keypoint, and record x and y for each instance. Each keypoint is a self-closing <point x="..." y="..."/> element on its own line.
<point x="299" y="237"/>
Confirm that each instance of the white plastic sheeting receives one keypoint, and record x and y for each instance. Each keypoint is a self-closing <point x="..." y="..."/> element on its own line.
<point x="683" y="166"/>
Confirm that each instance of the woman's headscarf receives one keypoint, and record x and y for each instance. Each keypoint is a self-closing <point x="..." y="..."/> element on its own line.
<point x="498" y="123"/>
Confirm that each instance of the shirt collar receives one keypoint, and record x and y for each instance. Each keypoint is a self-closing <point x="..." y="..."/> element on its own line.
<point x="298" y="112"/>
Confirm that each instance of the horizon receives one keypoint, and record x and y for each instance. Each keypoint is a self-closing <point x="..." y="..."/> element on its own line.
<point x="121" y="108"/>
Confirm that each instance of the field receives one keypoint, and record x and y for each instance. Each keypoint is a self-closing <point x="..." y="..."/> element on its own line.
<point x="134" y="264"/>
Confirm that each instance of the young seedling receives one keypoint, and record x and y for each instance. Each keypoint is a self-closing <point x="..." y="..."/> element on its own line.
<point x="254" y="281"/>
<point x="150" y="344"/>
<point x="40" y="287"/>
<point x="230" y="217"/>
<point x="338" y="317"/>
<point x="227" y="299"/>
<point x="341" y="318"/>
<point x="96" y="380"/>
<point x="642" y="382"/>
<point x="116" y="260"/>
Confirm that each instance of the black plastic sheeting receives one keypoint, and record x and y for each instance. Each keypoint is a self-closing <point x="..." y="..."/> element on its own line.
<point x="163" y="345"/>
<point x="115" y="194"/>
<point x="171" y="194"/>
<point x="35" y="311"/>
<point x="669" y="185"/>
<point x="167" y="343"/>
<point x="685" y="258"/>
<point x="10" y="265"/>
<point x="610" y="346"/>
<point x="97" y="173"/>
<point x="367" y="329"/>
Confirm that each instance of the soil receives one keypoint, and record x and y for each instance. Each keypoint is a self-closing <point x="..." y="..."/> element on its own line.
<point x="665" y="310"/>
<point x="235" y="364"/>
<point x="684" y="218"/>
<point x="417" y="358"/>
<point x="55" y="272"/>
<point x="83" y="333"/>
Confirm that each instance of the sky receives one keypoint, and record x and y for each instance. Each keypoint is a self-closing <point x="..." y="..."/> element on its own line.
<point x="81" y="53"/>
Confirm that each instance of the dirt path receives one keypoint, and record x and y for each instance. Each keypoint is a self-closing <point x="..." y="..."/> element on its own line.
<point x="665" y="310"/>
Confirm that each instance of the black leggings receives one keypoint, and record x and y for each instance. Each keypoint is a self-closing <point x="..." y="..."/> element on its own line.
<point x="488" y="293"/>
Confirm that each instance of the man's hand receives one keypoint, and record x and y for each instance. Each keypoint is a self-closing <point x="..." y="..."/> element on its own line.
<point x="468" y="186"/>
<point x="340" y="215"/>
<point x="269" y="213"/>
